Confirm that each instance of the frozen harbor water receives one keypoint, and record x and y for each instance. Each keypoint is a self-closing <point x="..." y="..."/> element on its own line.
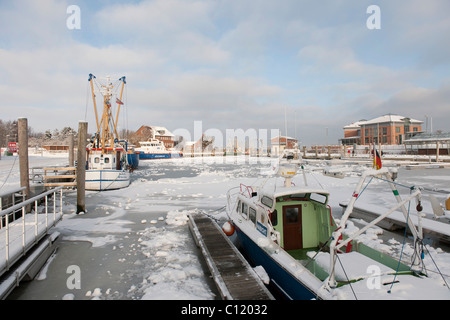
<point x="134" y="243"/>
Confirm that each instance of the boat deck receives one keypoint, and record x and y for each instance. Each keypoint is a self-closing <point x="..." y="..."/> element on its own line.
<point x="234" y="277"/>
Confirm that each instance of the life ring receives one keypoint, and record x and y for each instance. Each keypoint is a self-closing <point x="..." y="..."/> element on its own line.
<point x="228" y="228"/>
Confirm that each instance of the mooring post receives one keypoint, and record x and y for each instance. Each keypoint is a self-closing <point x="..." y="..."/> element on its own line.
<point x="71" y="154"/>
<point x="23" y="155"/>
<point x="81" y="166"/>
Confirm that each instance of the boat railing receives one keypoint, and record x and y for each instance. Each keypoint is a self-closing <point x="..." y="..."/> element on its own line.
<point x="244" y="189"/>
<point x="8" y="199"/>
<point x="337" y="243"/>
<point x="20" y="231"/>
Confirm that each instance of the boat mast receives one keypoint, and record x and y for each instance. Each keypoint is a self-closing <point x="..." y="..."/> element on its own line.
<point x="91" y="76"/>
<point x="106" y="132"/>
<point x="107" y="127"/>
<point x="118" y="105"/>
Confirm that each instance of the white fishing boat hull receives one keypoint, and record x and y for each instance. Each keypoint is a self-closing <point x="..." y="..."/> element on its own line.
<point x="100" y="180"/>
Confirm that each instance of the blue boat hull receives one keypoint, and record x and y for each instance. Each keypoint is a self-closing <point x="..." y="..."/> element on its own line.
<point x="152" y="156"/>
<point x="133" y="160"/>
<point x="283" y="281"/>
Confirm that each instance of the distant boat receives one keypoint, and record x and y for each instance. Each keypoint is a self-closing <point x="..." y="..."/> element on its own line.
<point x="109" y="162"/>
<point x="132" y="158"/>
<point x="155" y="149"/>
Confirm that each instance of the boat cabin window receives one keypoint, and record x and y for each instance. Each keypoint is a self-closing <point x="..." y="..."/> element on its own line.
<point x="321" y="198"/>
<point x="292" y="215"/>
<point x="291" y="197"/>
<point x="265" y="200"/>
<point x="97" y="160"/>
<point x="106" y="160"/>
<point x="274" y="217"/>
<point x="252" y="214"/>
<point x="244" y="211"/>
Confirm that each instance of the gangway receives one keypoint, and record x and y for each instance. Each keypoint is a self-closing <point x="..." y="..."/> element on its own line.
<point x="22" y="240"/>
<point x="234" y="277"/>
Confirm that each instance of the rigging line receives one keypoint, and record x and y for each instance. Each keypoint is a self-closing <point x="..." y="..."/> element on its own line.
<point x="396" y="183"/>
<point x="349" y="282"/>
<point x="316" y="180"/>
<point x="318" y="251"/>
<point x="435" y="264"/>
<point x="401" y="251"/>
<point x="126" y="109"/>
<point x="364" y="188"/>
<point x="10" y="170"/>
<point x="87" y="101"/>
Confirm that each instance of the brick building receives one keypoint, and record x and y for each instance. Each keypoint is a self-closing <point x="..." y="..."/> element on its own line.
<point x="155" y="132"/>
<point x="278" y="144"/>
<point x="386" y="130"/>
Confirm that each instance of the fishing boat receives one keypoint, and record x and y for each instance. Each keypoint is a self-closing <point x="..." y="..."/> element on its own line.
<point x="289" y="230"/>
<point x="109" y="160"/>
<point x="155" y="149"/>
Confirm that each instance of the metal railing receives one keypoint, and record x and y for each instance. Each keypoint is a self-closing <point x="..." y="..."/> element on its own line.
<point x="19" y="234"/>
<point x="10" y="197"/>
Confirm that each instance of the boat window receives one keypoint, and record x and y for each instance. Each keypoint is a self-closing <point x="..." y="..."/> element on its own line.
<point x="106" y="160"/>
<point x="252" y="214"/>
<point x="238" y="208"/>
<point x="97" y="160"/>
<point x="274" y="217"/>
<point x="244" y="211"/>
<point x="292" y="215"/>
<point x="298" y="195"/>
<point x="267" y="201"/>
<point x="321" y="198"/>
<point x="291" y="197"/>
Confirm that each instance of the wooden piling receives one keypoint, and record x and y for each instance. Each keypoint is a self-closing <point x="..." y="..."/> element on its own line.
<point x="71" y="152"/>
<point x="81" y="167"/>
<point x="23" y="155"/>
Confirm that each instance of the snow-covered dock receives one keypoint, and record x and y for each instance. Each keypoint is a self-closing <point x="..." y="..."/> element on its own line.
<point x="234" y="277"/>
<point x="435" y="229"/>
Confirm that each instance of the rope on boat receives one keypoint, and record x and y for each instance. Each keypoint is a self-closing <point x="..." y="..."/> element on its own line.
<point x="401" y="252"/>
<point x="9" y="173"/>
<point x="439" y="271"/>
<point x="209" y="214"/>
<point x="349" y="282"/>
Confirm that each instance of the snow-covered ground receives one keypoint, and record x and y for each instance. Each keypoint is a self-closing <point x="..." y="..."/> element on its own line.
<point x="135" y="243"/>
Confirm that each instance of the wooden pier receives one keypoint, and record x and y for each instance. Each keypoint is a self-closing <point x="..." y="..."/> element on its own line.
<point x="234" y="277"/>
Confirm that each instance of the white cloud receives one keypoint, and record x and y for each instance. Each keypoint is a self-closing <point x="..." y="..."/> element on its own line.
<point x="229" y="63"/>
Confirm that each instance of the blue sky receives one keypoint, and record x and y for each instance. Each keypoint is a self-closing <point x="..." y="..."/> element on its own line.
<point x="230" y="64"/>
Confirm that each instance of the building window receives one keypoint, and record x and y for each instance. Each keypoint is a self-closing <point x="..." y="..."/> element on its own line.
<point x="397" y="129"/>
